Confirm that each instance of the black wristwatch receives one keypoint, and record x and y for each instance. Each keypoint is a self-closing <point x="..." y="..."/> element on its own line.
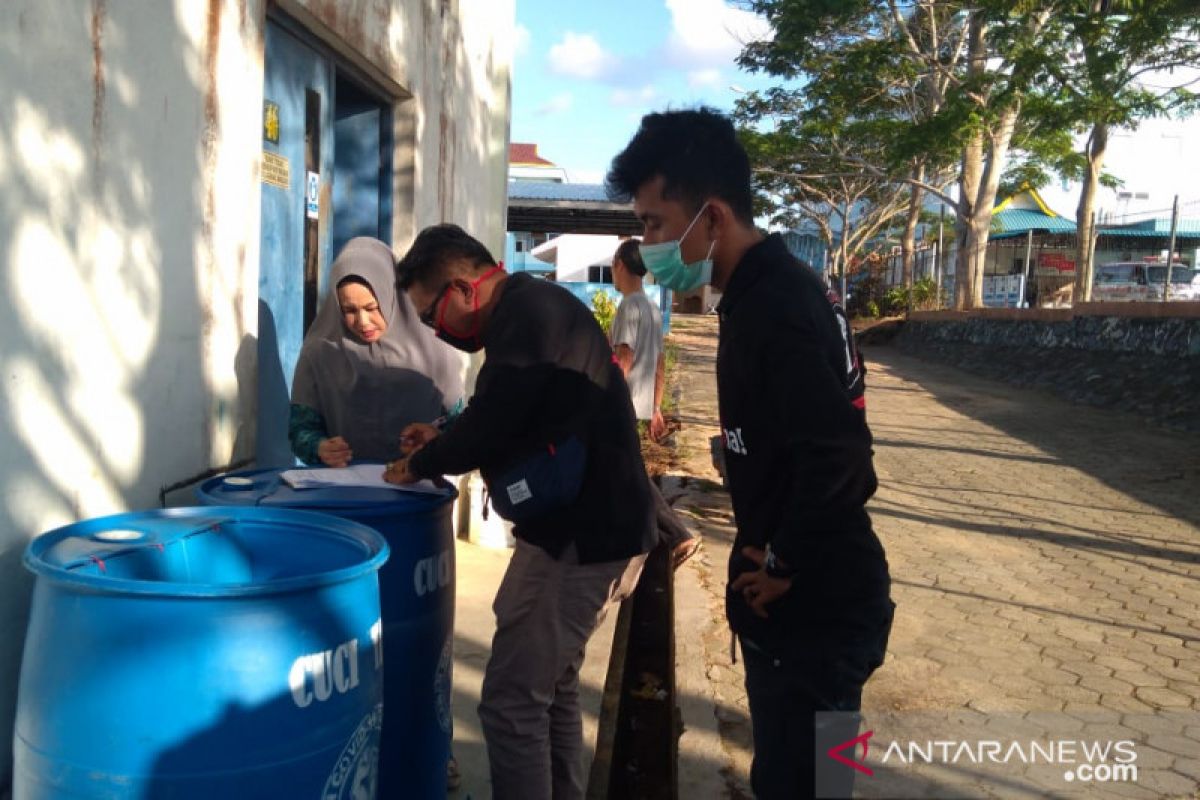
<point x="774" y="567"/>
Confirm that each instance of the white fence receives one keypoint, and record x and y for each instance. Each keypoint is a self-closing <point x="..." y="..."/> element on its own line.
<point x="1004" y="291"/>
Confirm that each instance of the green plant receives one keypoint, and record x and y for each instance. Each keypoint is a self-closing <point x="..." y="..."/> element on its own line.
<point x="670" y="362"/>
<point x="872" y="309"/>
<point x="604" y="308"/>
<point x="895" y="300"/>
<point x="926" y="295"/>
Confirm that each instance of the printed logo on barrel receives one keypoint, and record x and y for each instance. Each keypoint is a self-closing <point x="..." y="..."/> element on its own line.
<point x="356" y="772"/>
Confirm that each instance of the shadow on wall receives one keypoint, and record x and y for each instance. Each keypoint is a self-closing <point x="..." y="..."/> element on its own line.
<point x="122" y="296"/>
<point x="245" y="368"/>
<point x="106" y="171"/>
<point x="271" y="432"/>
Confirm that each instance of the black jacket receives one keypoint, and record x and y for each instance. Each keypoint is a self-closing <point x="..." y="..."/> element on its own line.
<point x="549" y="373"/>
<point x="797" y="448"/>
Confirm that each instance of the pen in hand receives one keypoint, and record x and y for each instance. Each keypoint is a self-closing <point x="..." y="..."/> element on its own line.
<point x="417" y="435"/>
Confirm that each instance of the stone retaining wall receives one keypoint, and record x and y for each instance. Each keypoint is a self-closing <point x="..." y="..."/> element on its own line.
<point x="1148" y="365"/>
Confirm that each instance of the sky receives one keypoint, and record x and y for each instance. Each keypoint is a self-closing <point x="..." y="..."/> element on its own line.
<point x="584" y="71"/>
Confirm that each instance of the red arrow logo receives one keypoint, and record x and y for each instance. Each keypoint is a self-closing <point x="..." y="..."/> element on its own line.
<point x="835" y="753"/>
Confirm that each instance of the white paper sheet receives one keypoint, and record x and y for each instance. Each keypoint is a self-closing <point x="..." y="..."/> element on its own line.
<point x="369" y="476"/>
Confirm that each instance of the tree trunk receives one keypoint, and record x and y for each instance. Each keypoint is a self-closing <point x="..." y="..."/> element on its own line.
<point x="845" y="255"/>
<point x="830" y="265"/>
<point x="1096" y="147"/>
<point x="968" y="190"/>
<point x="907" y="239"/>
<point x="980" y="223"/>
<point x="969" y="178"/>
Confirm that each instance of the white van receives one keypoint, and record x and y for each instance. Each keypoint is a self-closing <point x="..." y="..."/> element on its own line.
<point x="1133" y="280"/>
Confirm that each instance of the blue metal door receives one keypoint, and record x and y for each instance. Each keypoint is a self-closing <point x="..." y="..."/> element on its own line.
<point x="362" y="166"/>
<point x="296" y="248"/>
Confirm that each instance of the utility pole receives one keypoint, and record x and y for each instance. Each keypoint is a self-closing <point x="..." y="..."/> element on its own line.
<point x="1171" y="248"/>
<point x="941" y="257"/>
<point x="1028" y="273"/>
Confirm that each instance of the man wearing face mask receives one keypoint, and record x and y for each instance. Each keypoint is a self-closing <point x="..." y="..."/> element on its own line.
<point x="808" y="592"/>
<point x="549" y="378"/>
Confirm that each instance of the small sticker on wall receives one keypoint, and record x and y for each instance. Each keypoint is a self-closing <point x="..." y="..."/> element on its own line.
<point x="275" y="170"/>
<point x="312" y="195"/>
<point x="271" y="122"/>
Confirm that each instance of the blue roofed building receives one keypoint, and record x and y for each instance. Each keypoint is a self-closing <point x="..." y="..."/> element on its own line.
<point x="1025" y="225"/>
<point x="808" y="247"/>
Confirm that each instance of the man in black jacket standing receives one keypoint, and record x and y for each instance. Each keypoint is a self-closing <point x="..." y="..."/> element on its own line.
<point x="808" y="591"/>
<point x="549" y="400"/>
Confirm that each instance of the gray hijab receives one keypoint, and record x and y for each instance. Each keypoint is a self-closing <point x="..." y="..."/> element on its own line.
<point x="367" y="393"/>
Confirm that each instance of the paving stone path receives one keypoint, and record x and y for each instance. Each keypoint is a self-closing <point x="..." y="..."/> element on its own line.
<point x="1046" y="565"/>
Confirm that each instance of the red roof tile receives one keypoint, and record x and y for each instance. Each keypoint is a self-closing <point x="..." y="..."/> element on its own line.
<point x="523" y="153"/>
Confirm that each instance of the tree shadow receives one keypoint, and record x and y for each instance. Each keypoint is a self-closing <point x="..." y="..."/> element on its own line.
<point x="1158" y="468"/>
<point x="102" y="330"/>
<point x="126" y="225"/>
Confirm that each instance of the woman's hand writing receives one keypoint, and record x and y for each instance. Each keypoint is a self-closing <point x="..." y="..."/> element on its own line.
<point x="334" y="452"/>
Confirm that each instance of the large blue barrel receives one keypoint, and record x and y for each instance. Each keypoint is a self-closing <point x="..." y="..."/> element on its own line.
<point x="417" y="598"/>
<point x="202" y="653"/>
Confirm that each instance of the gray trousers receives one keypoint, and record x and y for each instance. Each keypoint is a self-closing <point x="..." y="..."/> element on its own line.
<point x="546" y="610"/>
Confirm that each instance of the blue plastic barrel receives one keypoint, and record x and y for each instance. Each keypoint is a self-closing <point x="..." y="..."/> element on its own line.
<point x="417" y="598"/>
<point x="202" y="653"/>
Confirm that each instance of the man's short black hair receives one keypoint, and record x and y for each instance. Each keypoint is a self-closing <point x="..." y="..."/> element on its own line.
<point x="698" y="155"/>
<point x="629" y="255"/>
<point x="432" y="252"/>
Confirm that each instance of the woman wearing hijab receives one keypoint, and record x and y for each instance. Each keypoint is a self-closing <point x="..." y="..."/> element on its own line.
<point x="368" y="366"/>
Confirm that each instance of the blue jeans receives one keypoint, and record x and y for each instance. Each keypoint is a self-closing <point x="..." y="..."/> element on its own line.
<point x="787" y="687"/>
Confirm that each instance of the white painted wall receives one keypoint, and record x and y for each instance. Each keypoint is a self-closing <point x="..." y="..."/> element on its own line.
<point x="527" y="172"/>
<point x="572" y="253"/>
<point x="129" y="228"/>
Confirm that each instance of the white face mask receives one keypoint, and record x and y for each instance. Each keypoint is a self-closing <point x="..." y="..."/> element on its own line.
<point x="665" y="262"/>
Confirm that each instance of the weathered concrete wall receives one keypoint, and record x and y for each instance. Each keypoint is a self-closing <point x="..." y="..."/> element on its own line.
<point x="130" y="141"/>
<point x="1148" y="366"/>
<point x="453" y="58"/>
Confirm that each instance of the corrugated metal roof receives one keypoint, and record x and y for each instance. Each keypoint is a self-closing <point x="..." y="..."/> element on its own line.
<point x="1115" y="233"/>
<point x="1163" y="226"/>
<point x="1012" y="221"/>
<point x="1141" y="233"/>
<point x="547" y="190"/>
<point x="546" y="207"/>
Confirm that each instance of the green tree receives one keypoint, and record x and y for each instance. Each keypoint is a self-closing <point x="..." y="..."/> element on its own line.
<point x="1119" y="72"/>
<point x="803" y="171"/>
<point x="845" y="129"/>
<point x="972" y="82"/>
<point x="947" y="77"/>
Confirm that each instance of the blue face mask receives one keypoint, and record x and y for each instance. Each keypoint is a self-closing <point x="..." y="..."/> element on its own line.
<point x="665" y="262"/>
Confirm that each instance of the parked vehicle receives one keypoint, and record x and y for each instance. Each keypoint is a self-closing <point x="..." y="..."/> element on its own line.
<point x="1132" y="280"/>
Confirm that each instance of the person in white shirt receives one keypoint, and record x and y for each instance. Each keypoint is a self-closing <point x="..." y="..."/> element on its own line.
<point x="637" y="342"/>
<point x="637" y="338"/>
